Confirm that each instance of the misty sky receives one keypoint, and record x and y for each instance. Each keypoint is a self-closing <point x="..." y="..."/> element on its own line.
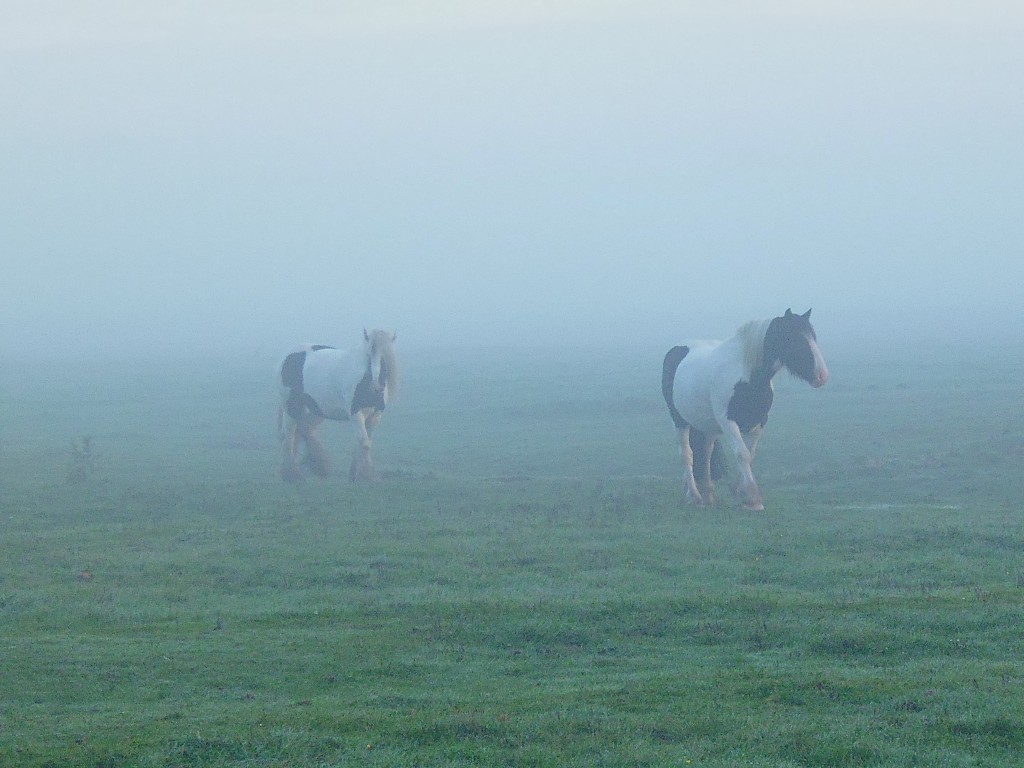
<point x="205" y="176"/>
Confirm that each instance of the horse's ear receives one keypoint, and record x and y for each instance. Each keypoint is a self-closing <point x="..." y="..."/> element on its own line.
<point x="394" y="337"/>
<point x="366" y="336"/>
<point x="789" y="312"/>
<point x="807" y="315"/>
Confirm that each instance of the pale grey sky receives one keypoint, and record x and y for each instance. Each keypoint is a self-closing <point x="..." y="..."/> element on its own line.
<point x="203" y="176"/>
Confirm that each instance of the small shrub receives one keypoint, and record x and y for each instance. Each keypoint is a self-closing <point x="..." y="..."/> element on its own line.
<point x="82" y="460"/>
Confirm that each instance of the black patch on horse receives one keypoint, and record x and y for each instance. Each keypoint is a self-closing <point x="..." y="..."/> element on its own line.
<point x="785" y="342"/>
<point x="367" y="395"/>
<point x="306" y="401"/>
<point x="291" y="377"/>
<point x="668" y="379"/>
<point x="291" y="370"/>
<point x="298" y="403"/>
<point x="750" y="403"/>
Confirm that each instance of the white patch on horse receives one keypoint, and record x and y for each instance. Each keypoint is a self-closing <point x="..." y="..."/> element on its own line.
<point x="821" y="374"/>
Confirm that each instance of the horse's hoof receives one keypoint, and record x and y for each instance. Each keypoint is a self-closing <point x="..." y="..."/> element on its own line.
<point x="292" y="474"/>
<point x="362" y="471"/>
<point x="319" y="464"/>
<point x="756" y="506"/>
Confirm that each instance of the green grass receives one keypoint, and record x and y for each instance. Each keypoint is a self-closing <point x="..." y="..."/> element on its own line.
<point x="524" y="587"/>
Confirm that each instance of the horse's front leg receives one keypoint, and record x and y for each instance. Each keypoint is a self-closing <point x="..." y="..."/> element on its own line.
<point x="362" y="464"/>
<point x="747" y="488"/>
<point x="371" y="425"/>
<point x="692" y="494"/>
<point x="751" y="439"/>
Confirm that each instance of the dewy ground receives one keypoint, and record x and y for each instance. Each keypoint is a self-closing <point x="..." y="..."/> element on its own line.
<point x="524" y="587"/>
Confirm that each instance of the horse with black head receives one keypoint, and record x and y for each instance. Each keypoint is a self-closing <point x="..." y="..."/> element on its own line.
<point x="323" y="383"/>
<point x="724" y="390"/>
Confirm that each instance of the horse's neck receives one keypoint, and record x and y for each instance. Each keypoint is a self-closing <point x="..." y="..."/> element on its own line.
<point x="765" y="370"/>
<point x="368" y="370"/>
<point x="762" y="375"/>
<point x="750" y="339"/>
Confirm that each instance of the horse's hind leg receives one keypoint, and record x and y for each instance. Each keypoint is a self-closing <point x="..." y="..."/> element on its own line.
<point x="705" y="446"/>
<point x="692" y="494"/>
<point x="289" y="429"/>
<point x="316" y="454"/>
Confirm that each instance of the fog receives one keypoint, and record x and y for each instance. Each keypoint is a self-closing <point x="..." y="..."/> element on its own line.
<point x="183" y="179"/>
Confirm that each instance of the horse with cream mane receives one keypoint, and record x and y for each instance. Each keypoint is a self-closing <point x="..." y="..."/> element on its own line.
<point x="321" y="383"/>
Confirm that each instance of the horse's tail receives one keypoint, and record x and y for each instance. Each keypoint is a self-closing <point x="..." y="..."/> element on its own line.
<point x="289" y="380"/>
<point x="668" y="377"/>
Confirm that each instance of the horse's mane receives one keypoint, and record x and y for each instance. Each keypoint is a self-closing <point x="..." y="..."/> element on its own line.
<point x="751" y="336"/>
<point x="388" y="360"/>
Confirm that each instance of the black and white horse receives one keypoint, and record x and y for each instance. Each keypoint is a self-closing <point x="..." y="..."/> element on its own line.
<point x="320" y="382"/>
<point x="724" y="390"/>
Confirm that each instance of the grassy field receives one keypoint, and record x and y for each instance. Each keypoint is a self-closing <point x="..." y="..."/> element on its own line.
<point x="524" y="587"/>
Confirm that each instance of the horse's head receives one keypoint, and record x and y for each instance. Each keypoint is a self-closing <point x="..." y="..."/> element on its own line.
<point x="791" y="342"/>
<point x="381" y="365"/>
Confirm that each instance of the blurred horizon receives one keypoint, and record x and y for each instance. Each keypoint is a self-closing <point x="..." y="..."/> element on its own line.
<point x="194" y="180"/>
